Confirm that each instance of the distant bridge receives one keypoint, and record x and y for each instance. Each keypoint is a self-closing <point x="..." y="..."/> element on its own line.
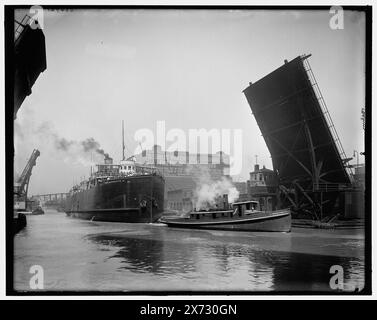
<point x="51" y="197"/>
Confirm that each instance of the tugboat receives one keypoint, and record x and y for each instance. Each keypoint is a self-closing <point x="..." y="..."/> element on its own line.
<point x="37" y="211"/>
<point x="121" y="192"/>
<point x="242" y="216"/>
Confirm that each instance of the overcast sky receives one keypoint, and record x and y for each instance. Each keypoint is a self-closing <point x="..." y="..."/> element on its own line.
<point x="186" y="67"/>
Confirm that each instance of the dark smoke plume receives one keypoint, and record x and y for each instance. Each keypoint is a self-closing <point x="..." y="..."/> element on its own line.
<point x="91" y="144"/>
<point x="78" y="148"/>
<point x="63" y="144"/>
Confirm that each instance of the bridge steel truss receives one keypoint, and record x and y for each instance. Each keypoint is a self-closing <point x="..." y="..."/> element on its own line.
<point x="306" y="151"/>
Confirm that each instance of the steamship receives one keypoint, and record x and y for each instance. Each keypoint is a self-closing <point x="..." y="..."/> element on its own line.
<point x="123" y="192"/>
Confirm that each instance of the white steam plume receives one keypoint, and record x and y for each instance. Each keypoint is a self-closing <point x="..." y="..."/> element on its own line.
<point x="208" y="190"/>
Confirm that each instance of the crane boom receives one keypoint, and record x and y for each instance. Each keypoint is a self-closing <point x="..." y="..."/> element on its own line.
<point x="23" y="180"/>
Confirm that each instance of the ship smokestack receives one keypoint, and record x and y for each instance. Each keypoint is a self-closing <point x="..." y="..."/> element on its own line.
<point x="225" y="202"/>
<point x="108" y="160"/>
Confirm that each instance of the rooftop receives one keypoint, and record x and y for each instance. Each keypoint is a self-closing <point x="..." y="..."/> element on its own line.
<point x="264" y="169"/>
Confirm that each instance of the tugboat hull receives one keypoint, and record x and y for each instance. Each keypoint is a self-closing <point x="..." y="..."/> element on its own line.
<point x="276" y="221"/>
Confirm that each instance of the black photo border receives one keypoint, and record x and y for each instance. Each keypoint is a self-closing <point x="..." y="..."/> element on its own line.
<point x="9" y="152"/>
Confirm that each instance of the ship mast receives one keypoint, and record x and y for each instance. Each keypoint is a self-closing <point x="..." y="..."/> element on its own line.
<point x="123" y="140"/>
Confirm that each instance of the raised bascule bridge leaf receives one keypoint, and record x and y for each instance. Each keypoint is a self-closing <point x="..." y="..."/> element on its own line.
<point x="295" y="123"/>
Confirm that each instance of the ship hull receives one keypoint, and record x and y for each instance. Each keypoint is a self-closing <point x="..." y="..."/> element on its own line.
<point x="129" y="215"/>
<point x="278" y="221"/>
<point x="135" y="199"/>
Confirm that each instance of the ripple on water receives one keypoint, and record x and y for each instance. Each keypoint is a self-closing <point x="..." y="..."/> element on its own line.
<point x="81" y="255"/>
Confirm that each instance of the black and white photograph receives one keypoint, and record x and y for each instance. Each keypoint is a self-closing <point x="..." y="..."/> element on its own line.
<point x="183" y="150"/>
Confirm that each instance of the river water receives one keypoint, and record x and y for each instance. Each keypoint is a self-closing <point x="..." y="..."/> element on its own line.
<point x="79" y="255"/>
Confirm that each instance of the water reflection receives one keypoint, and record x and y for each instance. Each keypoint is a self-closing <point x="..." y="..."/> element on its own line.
<point x="84" y="255"/>
<point x="149" y="255"/>
<point x="239" y="266"/>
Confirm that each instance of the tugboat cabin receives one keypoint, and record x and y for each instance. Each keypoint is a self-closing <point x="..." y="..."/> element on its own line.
<point x="239" y="209"/>
<point x="246" y="207"/>
<point x="210" y="214"/>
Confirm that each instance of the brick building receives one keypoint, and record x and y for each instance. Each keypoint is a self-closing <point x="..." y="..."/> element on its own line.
<point x="262" y="186"/>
